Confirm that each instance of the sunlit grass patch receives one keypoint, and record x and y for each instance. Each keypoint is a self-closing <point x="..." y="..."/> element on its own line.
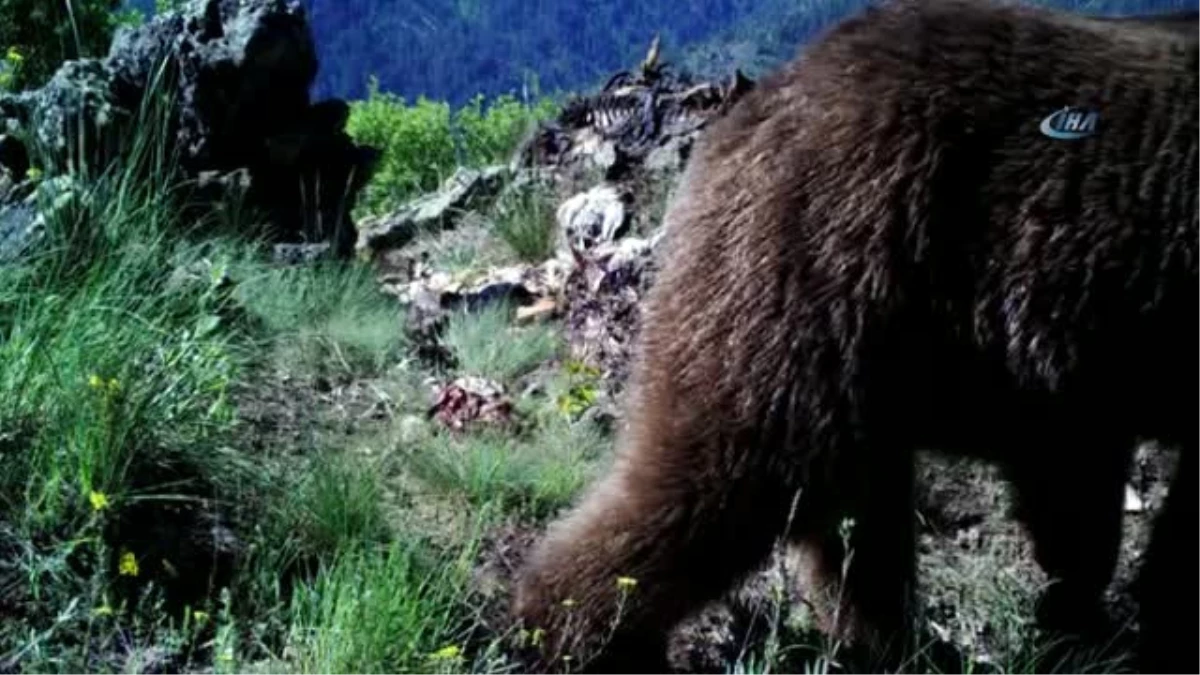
<point x="393" y="609"/>
<point x="487" y="344"/>
<point x="328" y="318"/>
<point x="525" y="220"/>
<point x="534" y="476"/>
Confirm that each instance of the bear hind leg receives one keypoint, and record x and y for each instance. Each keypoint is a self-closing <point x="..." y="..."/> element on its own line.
<point x="857" y="565"/>
<point x="1070" y="499"/>
<point x="1168" y="589"/>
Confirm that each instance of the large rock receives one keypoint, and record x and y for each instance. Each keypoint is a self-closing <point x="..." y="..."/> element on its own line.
<point x="29" y="206"/>
<point x="465" y="189"/>
<point x="18" y="228"/>
<point x="75" y="114"/>
<point x="237" y="74"/>
<point x="591" y="218"/>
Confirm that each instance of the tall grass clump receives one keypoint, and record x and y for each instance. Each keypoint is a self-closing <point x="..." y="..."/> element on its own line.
<point x="397" y="608"/>
<point x="532" y="476"/>
<point x="487" y="344"/>
<point x="525" y="221"/>
<point x="116" y="359"/>
<point x="326" y="317"/>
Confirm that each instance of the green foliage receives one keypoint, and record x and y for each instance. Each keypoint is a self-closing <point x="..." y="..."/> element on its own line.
<point x="395" y="610"/>
<point x="325" y="318"/>
<point x="46" y="32"/>
<point x="489" y="133"/>
<point x="525" y="220"/>
<point x="534" y="476"/>
<point x="487" y="345"/>
<point x="424" y="142"/>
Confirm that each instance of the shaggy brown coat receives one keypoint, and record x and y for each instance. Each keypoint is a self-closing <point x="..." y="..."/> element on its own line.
<point x="877" y="251"/>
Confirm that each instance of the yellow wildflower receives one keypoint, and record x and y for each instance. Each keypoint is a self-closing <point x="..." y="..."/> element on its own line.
<point x="14" y="56"/>
<point x="103" y="610"/>
<point x="99" y="500"/>
<point x="129" y="565"/>
<point x="626" y="583"/>
<point x="449" y="652"/>
<point x="98" y="383"/>
<point x="568" y="603"/>
<point x="33" y="173"/>
<point x="199" y="616"/>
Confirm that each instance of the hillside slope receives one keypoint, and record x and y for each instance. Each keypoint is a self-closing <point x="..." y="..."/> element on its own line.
<point x="777" y="28"/>
<point x="451" y="50"/>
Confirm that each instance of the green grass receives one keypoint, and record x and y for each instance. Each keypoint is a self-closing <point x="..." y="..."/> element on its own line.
<point x="395" y="609"/>
<point x="325" y="319"/>
<point x="335" y="505"/>
<point x="114" y="400"/>
<point x="532" y="476"/>
<point x="131" y="352"/>
<point x="487" y="344"/>
<point x="525" y="221"/>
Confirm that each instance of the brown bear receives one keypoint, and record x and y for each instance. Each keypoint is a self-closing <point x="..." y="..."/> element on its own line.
<point x="948" y="225"/>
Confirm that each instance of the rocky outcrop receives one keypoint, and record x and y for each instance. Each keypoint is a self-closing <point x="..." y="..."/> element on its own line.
<point x="638" y="131"/>
<point x="653" y="114"/>
<point x="236" y="75"/>
<point x="464" y="190"/>
<point x="603" y="294"/>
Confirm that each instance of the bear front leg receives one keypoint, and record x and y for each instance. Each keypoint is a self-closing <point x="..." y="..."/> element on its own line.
<point x="668" y="530"/>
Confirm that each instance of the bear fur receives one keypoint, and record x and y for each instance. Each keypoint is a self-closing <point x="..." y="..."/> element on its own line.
<point x="877" y="251"/>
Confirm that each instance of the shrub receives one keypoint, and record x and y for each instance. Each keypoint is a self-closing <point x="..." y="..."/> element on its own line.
<point x="44" y="33"/>
<point x="423" y="142"/>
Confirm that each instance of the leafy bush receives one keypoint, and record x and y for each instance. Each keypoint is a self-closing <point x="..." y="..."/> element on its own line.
<point x="425" y="141"/>
<point x="44" y="33"/>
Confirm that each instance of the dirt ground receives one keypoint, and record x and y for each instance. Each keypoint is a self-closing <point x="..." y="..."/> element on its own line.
<point x="976" y="571"/>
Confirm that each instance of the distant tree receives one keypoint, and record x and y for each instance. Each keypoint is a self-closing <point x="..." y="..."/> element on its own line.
<point x="38" y="35"/>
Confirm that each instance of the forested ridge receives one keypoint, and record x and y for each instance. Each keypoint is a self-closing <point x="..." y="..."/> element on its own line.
<point x="452" y="50"/>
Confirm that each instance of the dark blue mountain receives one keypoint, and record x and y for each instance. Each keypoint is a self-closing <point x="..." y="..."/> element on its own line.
<point x="455" y="49"/>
